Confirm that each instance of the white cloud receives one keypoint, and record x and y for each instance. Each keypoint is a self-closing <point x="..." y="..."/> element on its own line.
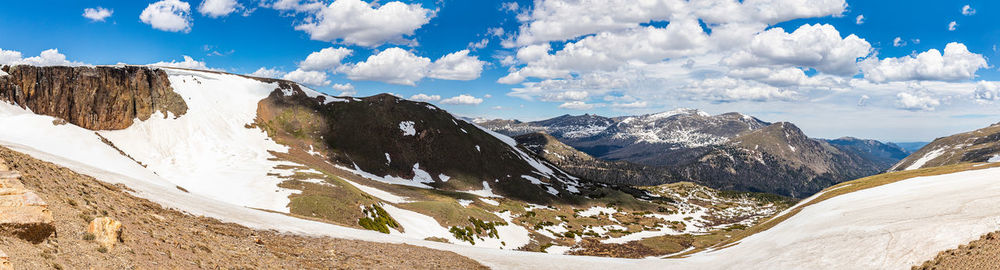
<point x="957" y="63"/>
<point x="50" y="57"/>
<point x="577" y="105"/>
<point x="398" y="66"/>
<point x="98" y="14"/>
<point x="218" y="8"/>
<point x="729" y="90"/>
<point x="310" y="78"/>
<point x="168" y="15"/>
<point x="462" y="100"/>
<point x="608" y="51"/>
<point x="479" y="45"/>
<point x="457" y="66"/>
<point x="860" y="19"/>
<point x="952" y="26"/>
<point x="863" y="100"/>
<point x="812" y="46"/>
<point x="916" y="102"/>
<point x="393" y="65"/>
<point x="633" y="105"/>
<point x="294" y="5"/>
<point x="358" y="22"/>
<point x="325" y="59"/>
<point x="264" y="72"/>
<point x="987" y="92"/>
<point x="898" y="42"/>
<point x="968" y="11"/>
<point x="556" y="20"/>
<point x="345" y="89"/>
<point x="188" y="63"/>
<point x="510" y="6"/>
<point x="425" y="98"/>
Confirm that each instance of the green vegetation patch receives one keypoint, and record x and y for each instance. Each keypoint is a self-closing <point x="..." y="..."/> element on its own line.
<point x="377" y="219"/>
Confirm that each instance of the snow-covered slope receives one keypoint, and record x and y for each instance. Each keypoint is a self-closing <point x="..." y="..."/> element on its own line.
<point x="980" y="145"/>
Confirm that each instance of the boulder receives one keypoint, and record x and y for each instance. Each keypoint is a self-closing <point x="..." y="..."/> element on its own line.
<point x="106" y="231"/>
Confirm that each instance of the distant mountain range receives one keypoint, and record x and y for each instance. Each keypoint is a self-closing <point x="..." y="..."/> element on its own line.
<point x="727" y="151"/>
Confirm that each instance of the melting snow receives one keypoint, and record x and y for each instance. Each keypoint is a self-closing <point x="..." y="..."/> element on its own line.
<point x="464" y="203"/>
<point x="407" y="128"/>
<point x="490" y="202"/>
<point x="995" y="158"/>
<point x="928" y="157"/>
<point x="485" y="192"/>
<point x="444" y="178"/>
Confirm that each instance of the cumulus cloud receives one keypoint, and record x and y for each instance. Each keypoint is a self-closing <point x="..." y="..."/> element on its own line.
<point x="479" y="44"/>
<point x="98" y="14"/>
<point x="393" y="65"/>
<point x="264" y="72"/>
<point x="556" y="20"/>
<point x="325" y="59"/>
<point x="457" y="66"/>
<point x="957" y="63"/>
<point x="168" y="15"/>
<point x="916" y="102"/>
<point x="218" y="8"/>
<point x="188" y="63"/>
<point x="50" y="57"/>
<point x="425" y="98"/>
<point x="358" y="22"/>
<point x="462" y="100"/>
<point x="310" y="78"/>
<point x="817" y="46"/>
<point x="986" y="92"/>
<point x="968" y="11"/>
<point x="345" y="89"/>
<point x="294" y="5"/>
<point x="398" y="66"/>
<point x="952" y="26"/>
<point x="860" y="19"/>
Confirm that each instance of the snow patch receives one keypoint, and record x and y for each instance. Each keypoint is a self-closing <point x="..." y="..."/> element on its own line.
<point x="407" y="128"/>
<point x="994" y="159"/>
<point x="490" y="202"/>
<point x="928" y="157"/>
<point x="485" y="192"/>
<point x="464" y="203"/>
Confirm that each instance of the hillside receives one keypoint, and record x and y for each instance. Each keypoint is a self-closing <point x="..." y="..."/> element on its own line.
<point x="730" y="151"/>
<point x="157" y="237"/>
<point x="975" y="146"/>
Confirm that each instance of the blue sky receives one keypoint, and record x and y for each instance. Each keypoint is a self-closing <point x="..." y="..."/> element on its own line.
<point x="809" y="62"/>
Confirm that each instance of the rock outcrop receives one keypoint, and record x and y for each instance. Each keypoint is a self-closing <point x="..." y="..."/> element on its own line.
<point x="96" y="98"/>
<point x="106" y="231"/>
<point x="22" y="213"/>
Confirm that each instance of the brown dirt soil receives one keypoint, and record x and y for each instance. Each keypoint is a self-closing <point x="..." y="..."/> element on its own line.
<point x="979" y="254"/>
<point x="159" y="238"/>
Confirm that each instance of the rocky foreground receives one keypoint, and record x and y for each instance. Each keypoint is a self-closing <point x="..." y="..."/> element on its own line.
<point x="100" y="226"/>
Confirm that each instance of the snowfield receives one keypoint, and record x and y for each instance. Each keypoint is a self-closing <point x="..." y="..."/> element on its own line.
<point x="892" y="226"/>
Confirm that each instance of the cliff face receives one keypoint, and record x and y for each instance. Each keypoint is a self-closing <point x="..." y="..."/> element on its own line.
<point x="96" y="98"/>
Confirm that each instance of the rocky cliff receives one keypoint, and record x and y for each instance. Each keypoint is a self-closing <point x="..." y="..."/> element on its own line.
<point x="96" y="98"/>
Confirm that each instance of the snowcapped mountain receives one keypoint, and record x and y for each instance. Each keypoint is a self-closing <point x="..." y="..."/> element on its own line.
<point x="982" y="145"/>
<point x="726" y="151"/>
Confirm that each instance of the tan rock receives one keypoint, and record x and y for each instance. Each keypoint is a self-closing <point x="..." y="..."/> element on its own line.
<point x="106" y="231"/>
<point x="23" y="213"/>
<point x="5" y="262"/>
